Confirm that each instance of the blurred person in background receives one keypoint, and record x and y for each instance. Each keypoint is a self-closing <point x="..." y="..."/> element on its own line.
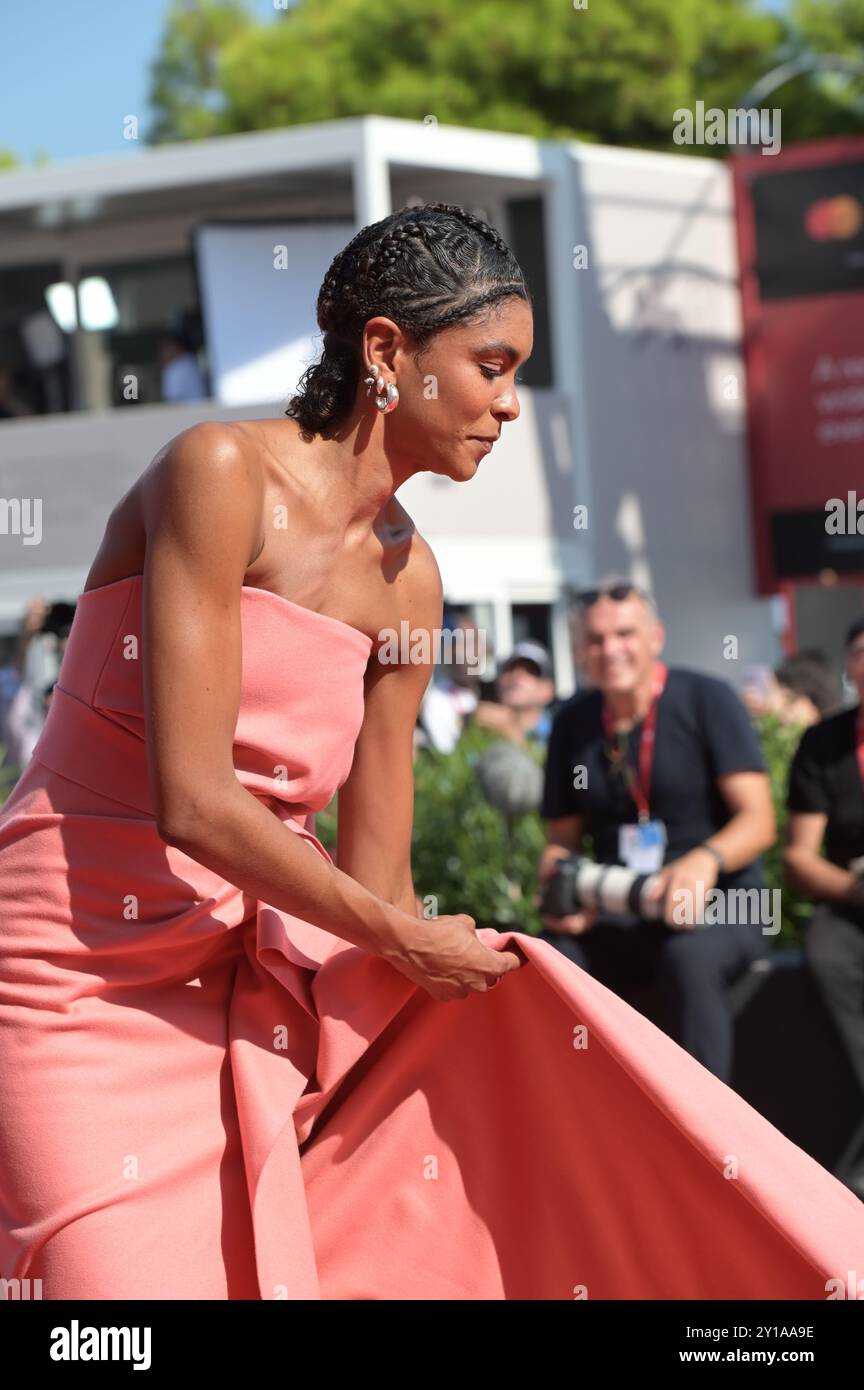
<point x="800" y="692"/>
<point x="526" y="700"/>
<point x="45" y="629"/>
<point x="11" y="406"/>
<point x="445" y="707"/>
<point x="182" y="379"/>
<point x="826" y="804"/>
<point x="453" y="694"/>
<point x="509" y="770"/>
<point x="670" y="779"/>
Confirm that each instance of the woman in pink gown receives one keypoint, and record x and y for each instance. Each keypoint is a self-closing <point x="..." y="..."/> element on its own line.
<point x="227" y="1070"/>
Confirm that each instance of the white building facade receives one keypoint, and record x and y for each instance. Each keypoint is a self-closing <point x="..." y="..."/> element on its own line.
<point x="629" y="453"/>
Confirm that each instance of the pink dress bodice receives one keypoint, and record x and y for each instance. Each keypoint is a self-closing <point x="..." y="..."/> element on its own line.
<point x="300" y="710"/>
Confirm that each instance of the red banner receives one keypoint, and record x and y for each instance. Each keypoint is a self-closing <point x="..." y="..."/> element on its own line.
<point x="800" y="228"/>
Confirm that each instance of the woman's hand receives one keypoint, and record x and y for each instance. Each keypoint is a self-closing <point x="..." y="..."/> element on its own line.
<point x="445" y="956"/>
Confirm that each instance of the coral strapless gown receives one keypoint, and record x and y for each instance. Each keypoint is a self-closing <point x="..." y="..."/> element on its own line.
<point x="204" y="1097"/>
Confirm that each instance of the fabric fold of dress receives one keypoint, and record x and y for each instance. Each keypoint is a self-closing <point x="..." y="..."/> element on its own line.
<point x="204" y="1096"/>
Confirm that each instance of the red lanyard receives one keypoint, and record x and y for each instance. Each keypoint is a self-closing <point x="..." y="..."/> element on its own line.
<point x="640" y="789"/>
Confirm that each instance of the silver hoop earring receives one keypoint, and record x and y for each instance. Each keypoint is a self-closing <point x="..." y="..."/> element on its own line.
<point x="388" y="402"/>
<point x="387" y="395"/>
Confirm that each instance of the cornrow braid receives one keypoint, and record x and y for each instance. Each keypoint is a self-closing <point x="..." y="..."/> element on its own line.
<point x="427" y="268"/>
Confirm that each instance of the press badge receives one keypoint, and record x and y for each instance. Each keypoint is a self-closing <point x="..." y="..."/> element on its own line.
<point x="642" y="846"/>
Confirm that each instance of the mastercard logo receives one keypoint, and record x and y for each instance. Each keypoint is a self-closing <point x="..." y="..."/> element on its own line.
<point x="834" y="219"/>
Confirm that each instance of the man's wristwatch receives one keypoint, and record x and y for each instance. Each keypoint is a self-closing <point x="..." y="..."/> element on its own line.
<point x="717" y="855"/>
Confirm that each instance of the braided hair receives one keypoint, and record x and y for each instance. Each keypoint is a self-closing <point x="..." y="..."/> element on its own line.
<point x="426" y="268"/>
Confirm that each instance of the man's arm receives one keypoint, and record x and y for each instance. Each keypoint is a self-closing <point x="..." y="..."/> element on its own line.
<point x="807" y="870"/>
<point x="739" y="773"/>
<point x="564" y="833"/>
<point x="376" y="803"/>
<point x="750" y="830"/>
<point x="752" y="825"/>
<point x="809" y="800"/>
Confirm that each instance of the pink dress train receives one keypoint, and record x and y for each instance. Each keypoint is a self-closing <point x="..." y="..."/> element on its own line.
<point x="204" y="1097"/>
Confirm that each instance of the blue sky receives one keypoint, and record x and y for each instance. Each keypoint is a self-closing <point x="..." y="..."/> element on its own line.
<point x="70" y="70"/>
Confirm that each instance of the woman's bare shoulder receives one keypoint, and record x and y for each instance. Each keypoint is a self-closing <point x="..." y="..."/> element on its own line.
<point x="204" y="448"/>
<point x="210" y="476"/>
<point x="210" y="458"/>
<point x="206" y="476"/>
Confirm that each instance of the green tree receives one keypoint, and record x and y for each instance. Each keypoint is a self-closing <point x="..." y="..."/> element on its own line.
<point x="186" y="92"/>
<point x="9" y="160"/>
<point x="615" y="71"/>
<point x="829" y="103"/>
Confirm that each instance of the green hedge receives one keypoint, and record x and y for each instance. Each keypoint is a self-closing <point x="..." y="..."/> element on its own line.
<point x="8" y="776"/>
<point x="467" y="855"/>
<point x="779" y="742"/>
<point x="464" y="854"/>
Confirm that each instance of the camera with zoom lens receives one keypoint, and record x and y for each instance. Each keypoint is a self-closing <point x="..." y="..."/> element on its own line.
<point x="579" y="883"/>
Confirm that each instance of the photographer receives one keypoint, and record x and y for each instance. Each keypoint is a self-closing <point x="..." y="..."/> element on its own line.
<point x="662" y="768"/>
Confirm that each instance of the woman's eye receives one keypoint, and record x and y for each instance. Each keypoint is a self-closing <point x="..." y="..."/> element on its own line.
<point x="491" y="372"/>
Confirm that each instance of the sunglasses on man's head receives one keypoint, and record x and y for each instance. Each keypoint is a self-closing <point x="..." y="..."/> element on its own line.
<point x="618" y="592"/>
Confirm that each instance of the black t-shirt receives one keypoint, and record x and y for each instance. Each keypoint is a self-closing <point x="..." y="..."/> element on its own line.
<point x="703" y="732"/>
<point x="824" y="778"/>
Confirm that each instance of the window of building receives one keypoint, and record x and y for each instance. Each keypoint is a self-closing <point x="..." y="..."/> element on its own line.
<point x="140" y="334"/>
<point x="34" y="351"/>
<point x="526" y="235"/>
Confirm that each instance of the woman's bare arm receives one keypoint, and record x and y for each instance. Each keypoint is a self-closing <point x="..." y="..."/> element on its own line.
<point x="203" y="528"/>
<point x="376" y="804"/>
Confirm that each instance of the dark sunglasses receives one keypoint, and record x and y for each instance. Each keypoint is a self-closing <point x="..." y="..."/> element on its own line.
<point x="618" y="592"/>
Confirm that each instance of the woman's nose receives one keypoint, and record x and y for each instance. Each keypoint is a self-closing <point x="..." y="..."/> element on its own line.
<point x="508" y="406"/>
